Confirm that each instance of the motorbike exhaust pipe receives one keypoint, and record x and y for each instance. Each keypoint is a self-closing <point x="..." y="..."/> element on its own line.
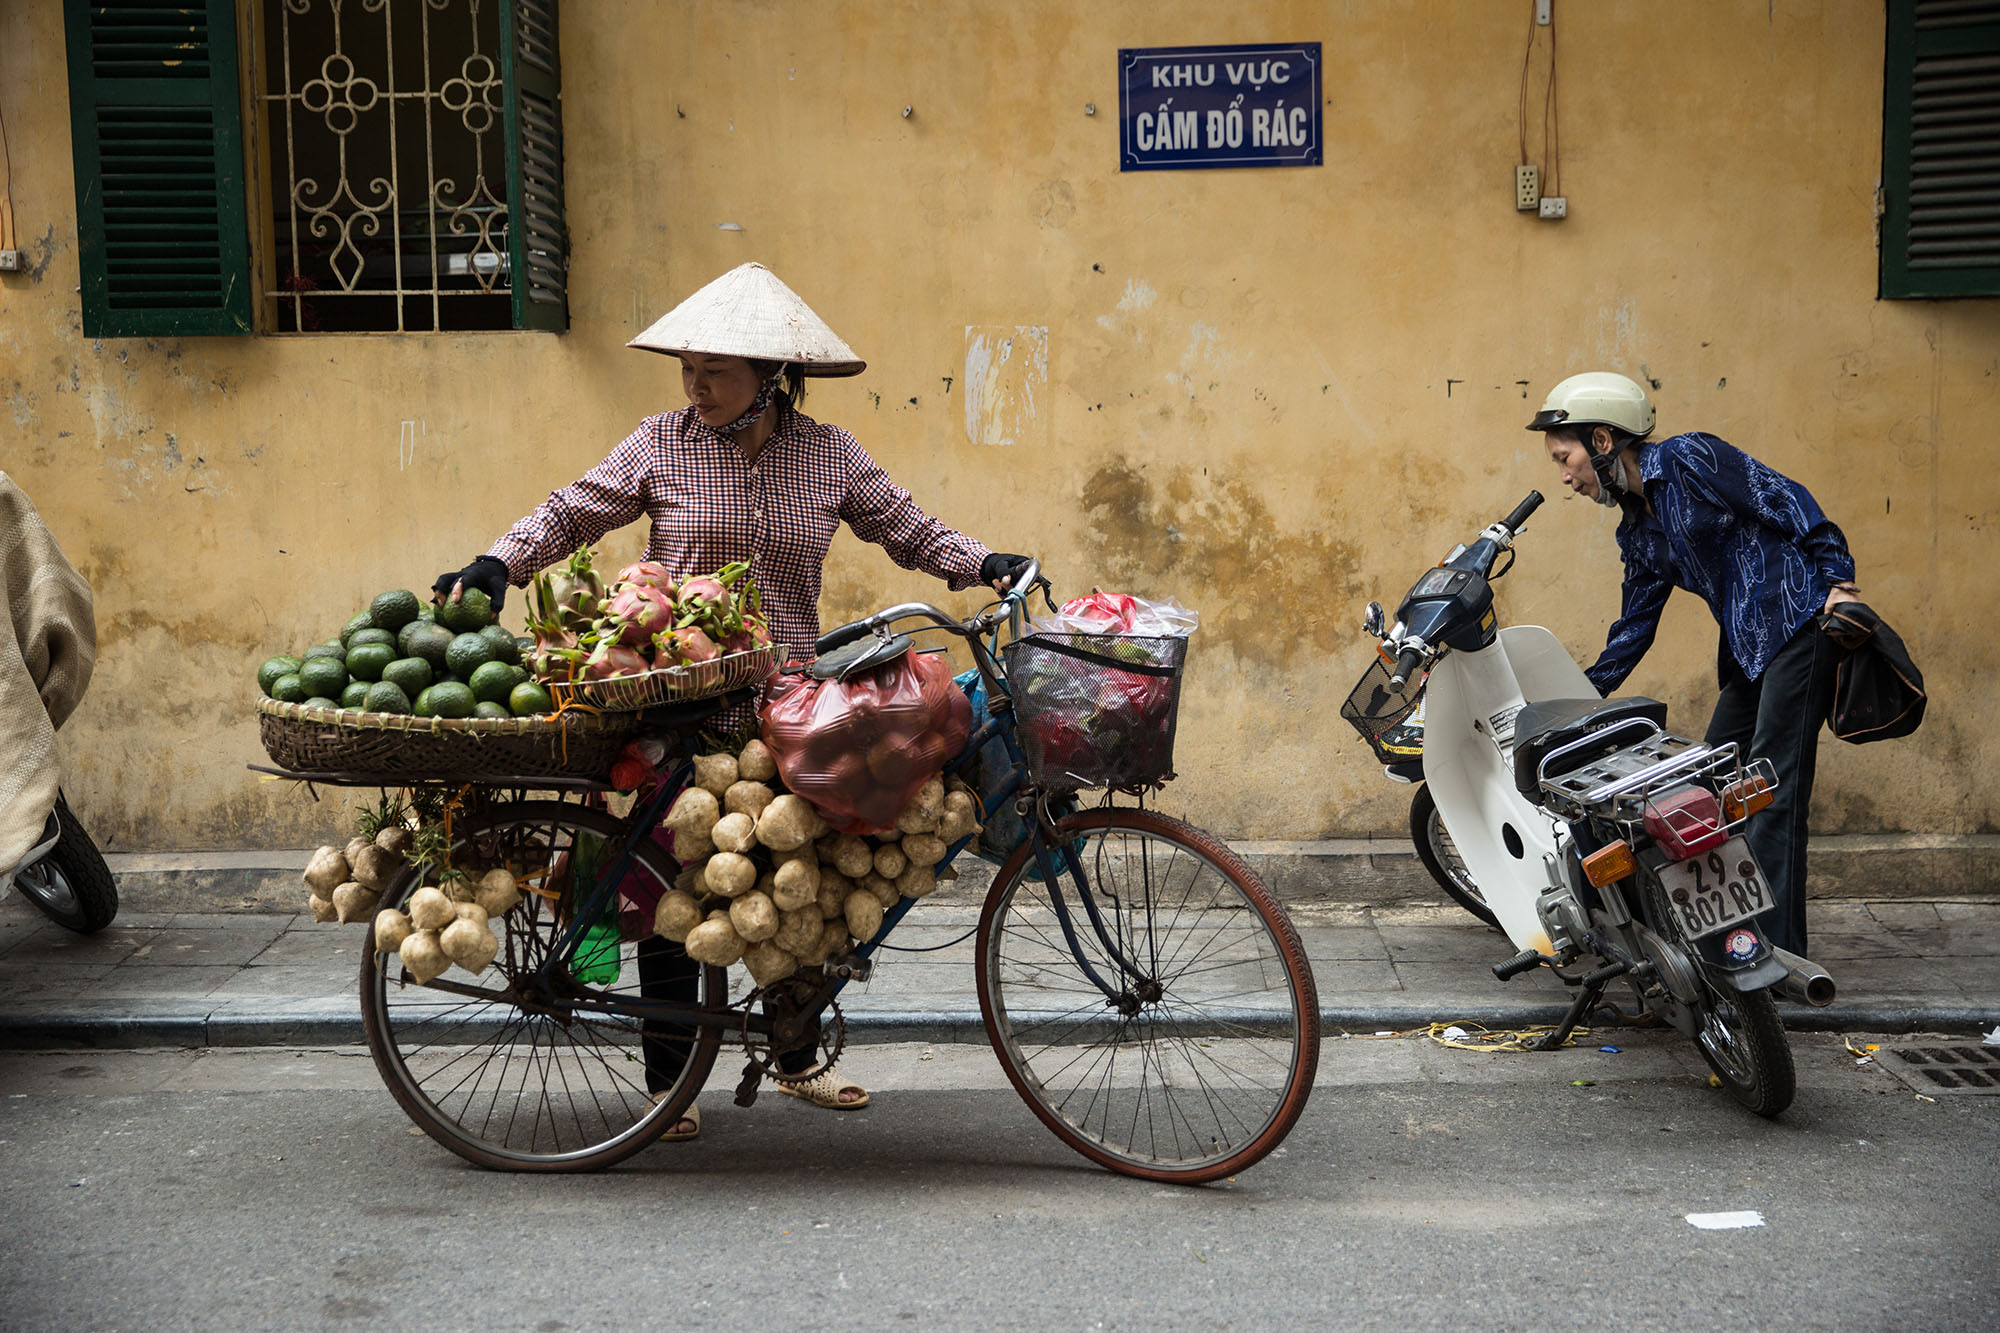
<point x="1805" y="982"/>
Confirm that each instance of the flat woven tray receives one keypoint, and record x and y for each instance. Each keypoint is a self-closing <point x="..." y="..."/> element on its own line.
<point x="348" y="740"/>
<point x="673" y="685"/>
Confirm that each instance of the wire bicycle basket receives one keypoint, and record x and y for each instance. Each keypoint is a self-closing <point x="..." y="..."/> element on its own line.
<point x="1096" y="710"/>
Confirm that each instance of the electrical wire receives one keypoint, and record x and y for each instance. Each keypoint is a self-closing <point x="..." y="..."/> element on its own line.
<point x="1551" y="163"/>
<point x="7" y="237"/>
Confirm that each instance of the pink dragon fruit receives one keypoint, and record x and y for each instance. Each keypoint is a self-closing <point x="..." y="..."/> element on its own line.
<point x="637" y="613"/>
<point x="611" y="659"/>
<point x="684" y="647"/>
<point x="648" y="574"/>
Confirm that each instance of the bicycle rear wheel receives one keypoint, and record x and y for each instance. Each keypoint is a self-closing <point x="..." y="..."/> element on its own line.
<point x="517" y="1079"/>
<point x="1201" y="1062"/>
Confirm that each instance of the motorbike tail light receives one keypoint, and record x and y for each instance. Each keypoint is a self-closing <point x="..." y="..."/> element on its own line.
<point x="1608" y="865"/>
<point x="1685" y="822"/>
<point x="1742" y="799"/>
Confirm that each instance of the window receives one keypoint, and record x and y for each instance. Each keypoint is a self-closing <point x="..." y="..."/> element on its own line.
<point x="411" y="166"/>
<point x="1941" y="149"/>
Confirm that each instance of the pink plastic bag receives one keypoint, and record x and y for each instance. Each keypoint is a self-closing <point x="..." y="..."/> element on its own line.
<point x="859" y="749"/>
<point x="1120" y="613"/>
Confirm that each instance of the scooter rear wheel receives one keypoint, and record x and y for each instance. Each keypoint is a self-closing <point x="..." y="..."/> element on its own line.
<point x="71" y="885"/>
<point x="1743" y="1040"/>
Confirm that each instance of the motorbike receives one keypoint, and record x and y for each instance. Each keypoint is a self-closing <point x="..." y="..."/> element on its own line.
<point x="1608" y="849"/>
<point x="45" y="851"/>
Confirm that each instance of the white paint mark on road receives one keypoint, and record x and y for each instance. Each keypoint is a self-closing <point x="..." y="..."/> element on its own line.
<point x="1726" y="1221"/>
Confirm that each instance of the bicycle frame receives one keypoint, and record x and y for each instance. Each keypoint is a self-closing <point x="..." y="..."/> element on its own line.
<point x="1015" y="785"/>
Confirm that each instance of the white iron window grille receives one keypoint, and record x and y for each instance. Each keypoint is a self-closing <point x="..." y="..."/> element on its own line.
<point x="395" y="177"/>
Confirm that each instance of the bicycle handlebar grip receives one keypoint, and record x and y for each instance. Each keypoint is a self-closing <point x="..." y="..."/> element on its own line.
<point x="1406" y="666"/>
<point x="846" y="634"/>
<point x="1528" y="506"/>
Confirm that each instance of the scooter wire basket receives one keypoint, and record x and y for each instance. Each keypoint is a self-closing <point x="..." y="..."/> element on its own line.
<point x="1096" y="710"/>
<point x="1382" y="713"/>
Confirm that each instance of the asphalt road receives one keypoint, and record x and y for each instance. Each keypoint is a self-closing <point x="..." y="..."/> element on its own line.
<point x="1424" y="1188"/>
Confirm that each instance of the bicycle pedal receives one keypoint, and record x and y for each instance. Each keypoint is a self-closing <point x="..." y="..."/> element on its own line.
<point x="851" y="969"/>
<point x="746" y="1091"/>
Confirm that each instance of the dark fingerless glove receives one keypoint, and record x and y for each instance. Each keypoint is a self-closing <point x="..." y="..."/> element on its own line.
<point x="487" y="573"/>
<point x="999" y="566"/>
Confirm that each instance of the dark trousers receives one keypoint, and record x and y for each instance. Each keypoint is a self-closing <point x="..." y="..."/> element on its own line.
<point x="1778" y="717"/>
<point x="667" y="973"/>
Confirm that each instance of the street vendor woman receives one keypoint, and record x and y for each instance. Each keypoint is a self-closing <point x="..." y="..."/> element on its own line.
<point x="1699" y="514"/>
<point x="739" y="474"/>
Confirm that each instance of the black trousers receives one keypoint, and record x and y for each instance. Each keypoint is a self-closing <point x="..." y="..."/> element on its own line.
<point x="667" y="973"/>
<point x="1778" y="717"/>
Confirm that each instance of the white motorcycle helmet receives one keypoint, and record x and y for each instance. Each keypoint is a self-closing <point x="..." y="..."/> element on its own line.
<point x="1600" y="398"/>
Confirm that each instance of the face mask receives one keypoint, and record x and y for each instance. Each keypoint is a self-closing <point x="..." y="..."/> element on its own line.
<point x="1610" y="477"/>
<point x="758" y="405"/>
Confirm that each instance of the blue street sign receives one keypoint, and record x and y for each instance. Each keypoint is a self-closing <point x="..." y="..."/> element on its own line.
<point x="1184" y="108"/>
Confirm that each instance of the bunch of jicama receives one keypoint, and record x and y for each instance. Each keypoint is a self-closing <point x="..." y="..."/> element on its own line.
<point x="767" y="883"/>
<point x="644" y="620"/>
<point x="441" y="925"/>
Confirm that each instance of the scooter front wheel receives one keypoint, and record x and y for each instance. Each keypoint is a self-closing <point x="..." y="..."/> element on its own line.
<point x="1440" y="856"/>
<point x="71" y="885"/>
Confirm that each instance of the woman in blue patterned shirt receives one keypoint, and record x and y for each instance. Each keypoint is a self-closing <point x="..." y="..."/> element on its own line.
<point x="1752" y="543"/>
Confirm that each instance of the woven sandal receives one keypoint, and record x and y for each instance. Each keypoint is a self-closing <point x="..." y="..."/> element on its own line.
<point x="691" y="1116"/>
<point x="824" y="1089"/>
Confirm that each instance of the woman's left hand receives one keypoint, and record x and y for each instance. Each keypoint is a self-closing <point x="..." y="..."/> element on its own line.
<point x="1001" y="570"/>
<point x="1840" y="592"/>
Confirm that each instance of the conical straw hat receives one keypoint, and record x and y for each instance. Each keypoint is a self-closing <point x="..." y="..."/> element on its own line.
<point x="747" y="312"/>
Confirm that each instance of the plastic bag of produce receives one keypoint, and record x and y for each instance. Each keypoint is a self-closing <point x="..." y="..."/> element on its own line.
<point x="1096" y="710"/>
<point x="1119" y="613"/>
<point x="859" y="749"/>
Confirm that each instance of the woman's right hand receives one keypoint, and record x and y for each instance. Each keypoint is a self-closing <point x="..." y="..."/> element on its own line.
<point x="486" y="573"/>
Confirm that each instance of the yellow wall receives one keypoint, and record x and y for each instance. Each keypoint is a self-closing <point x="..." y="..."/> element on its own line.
<point x="1270" y="393"/>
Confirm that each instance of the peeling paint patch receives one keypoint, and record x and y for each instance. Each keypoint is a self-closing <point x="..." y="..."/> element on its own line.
<point x="1139" y="295"/>
<point x="1006" y="383"/>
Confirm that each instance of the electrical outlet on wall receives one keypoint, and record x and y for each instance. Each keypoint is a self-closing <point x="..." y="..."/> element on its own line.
<point x="1527" y="188"/>
<point x="12" y="261"/>
<point x="1555" y="207"/>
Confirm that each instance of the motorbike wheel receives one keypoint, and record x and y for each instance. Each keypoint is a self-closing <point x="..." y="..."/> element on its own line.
<point x="1440" y="856"/>
<point x="1743" y="1040"/>
<point x="71" y="885"/>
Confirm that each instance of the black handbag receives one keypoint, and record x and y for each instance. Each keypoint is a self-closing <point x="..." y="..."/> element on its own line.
<point x="1878" y="693"/>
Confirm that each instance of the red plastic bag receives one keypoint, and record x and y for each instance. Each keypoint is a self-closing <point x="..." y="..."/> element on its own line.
<point x="859" y="749"/>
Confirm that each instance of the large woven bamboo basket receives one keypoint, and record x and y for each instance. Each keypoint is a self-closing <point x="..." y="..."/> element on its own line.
<point x="575" y="744"/>
<point x="673" y="685"/>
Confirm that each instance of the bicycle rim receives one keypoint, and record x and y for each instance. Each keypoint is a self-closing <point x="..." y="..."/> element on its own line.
<point x="1204" y="1062"/>
<point x="514" y="1079"/>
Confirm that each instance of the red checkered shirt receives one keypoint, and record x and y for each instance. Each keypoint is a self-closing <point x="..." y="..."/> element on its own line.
<point x="710" y="505"/>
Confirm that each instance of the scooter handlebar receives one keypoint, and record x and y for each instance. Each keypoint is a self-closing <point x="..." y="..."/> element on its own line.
<point x="1406" y="666"/>
<point x="1528" y="506"/>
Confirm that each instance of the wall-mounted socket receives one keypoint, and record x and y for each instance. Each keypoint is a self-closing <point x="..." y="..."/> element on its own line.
<point x="1555" y="207"/>
<point x="13" y="261"/>
<point x="1527" y="188"/>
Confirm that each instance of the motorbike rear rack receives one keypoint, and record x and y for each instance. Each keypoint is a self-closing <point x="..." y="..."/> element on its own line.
<point x="1622" y="785"/>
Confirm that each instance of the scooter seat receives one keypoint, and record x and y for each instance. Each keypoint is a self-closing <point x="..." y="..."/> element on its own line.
<point x="1544" y="727"/>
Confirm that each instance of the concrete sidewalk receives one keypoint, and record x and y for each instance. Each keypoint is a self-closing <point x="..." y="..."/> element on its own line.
<point x="261" y="979"/>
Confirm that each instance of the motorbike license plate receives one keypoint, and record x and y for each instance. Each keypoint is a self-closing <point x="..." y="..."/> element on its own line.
<point x="1716" y="889"/>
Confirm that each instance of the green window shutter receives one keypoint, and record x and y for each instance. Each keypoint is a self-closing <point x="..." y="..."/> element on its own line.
<point x="1941" y="149"/>
<point x="537" y="240"/>
<point x="158" y="140"/>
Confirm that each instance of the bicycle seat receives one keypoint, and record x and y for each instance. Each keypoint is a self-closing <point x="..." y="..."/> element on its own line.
<point x="1547" y="726"/>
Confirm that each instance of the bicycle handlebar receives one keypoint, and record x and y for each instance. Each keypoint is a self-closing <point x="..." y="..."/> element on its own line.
<point x="979" y="624"/>
<point x="1528" y="506"/>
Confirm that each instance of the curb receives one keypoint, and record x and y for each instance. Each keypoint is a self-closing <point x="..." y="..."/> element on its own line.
<point x="338" y="1023"/>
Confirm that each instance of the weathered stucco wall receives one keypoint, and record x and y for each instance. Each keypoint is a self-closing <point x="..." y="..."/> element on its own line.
<point x="1270" y="393"/>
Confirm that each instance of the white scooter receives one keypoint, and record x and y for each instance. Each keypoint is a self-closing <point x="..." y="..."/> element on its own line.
<point x="1595" y="837"/>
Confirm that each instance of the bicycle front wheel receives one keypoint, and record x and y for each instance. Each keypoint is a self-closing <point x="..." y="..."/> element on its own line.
<point x="1199" y="1059"/>
<point x="519" y="1076"/>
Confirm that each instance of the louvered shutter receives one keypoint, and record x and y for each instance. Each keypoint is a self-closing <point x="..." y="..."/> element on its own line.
<point x="157" y="135"/>
<point x="1941" y="149"/>
<point x="538" y="242"/>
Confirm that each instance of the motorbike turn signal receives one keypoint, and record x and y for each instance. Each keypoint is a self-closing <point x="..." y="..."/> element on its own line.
<point x="1745" y="798"/>
<point x="1609" y="864"/>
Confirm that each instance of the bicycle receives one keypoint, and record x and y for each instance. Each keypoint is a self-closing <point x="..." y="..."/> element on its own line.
<point x="1146" y="995"/>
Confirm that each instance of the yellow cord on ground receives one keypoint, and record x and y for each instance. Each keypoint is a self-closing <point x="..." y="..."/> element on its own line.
<point x="1477" y="1037"/>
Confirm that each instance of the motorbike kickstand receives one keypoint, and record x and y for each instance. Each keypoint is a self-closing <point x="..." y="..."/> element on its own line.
<point x="1586" y="998"/>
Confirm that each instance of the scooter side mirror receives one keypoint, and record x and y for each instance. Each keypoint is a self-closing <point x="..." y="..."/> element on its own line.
<point x="1372" y="620"/>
